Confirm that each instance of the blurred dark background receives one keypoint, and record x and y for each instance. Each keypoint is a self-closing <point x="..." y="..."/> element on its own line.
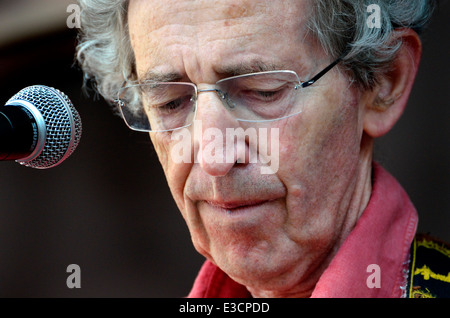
<point x="108" y="207"/>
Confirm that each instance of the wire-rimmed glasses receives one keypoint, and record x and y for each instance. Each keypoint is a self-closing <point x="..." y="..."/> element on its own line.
<point x="256" y="97"/>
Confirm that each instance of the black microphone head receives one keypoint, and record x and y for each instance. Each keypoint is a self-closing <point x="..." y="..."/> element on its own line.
<point x="59" y="125"/>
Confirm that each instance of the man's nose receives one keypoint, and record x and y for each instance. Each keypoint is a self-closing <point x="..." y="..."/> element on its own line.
<point x="216" y="153"/>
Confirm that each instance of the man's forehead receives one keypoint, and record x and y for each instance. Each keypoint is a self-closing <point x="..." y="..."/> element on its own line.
<point x="161" y="12"/>
<point x="229" y="31"/>
<point x="165" y="12"/>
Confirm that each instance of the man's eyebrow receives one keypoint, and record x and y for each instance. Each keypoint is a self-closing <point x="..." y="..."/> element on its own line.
<point x="155" y="76"/>
<point x="226" y="70"/>
<point x="251" y="67"/>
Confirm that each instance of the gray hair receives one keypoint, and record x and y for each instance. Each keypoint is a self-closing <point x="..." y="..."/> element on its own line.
<point x="104" y="51"/>
<point x="341" y="27"/>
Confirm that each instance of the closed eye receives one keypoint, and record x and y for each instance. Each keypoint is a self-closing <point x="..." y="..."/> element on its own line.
<point x="174" y="105"/>
<point x="263" y="96"/>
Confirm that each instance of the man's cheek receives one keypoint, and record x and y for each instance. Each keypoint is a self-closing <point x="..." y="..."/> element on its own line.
<point x="161" y="149"/>
<point x="177" y="175"/>
<point x="165" y="146"/>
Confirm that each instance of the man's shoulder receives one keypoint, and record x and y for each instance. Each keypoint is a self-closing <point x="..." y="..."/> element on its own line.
<point x="429" y="268"/>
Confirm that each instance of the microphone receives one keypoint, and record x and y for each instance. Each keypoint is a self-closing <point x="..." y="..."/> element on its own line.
<point x="39" y="127"/>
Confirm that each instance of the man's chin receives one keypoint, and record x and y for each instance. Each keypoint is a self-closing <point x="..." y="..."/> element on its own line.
<point x="250" y="265"/>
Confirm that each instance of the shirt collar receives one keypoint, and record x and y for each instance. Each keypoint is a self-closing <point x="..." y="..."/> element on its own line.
<point x="382" y="237"/>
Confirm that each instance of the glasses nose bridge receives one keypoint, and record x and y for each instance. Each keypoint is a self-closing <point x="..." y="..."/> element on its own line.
<point x="218" y="91"/>
<point x="223" y="96"/>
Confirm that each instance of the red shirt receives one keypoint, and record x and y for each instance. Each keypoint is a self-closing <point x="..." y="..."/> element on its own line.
<point x="382" y="236"/>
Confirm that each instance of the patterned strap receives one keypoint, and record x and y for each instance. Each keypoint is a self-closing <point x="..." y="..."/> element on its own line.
<point x="429" y="268"/>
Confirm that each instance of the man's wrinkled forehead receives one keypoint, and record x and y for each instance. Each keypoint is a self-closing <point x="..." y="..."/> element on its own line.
<point x="172" y="32"/>
<point x="161" y="13"/>
<point x="229" y="12"/>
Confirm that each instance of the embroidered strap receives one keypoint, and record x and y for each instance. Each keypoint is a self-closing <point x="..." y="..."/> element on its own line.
<point x="429" y="268"/>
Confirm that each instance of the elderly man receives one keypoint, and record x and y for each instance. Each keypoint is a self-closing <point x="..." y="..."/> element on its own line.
<point x="324" y="78"/>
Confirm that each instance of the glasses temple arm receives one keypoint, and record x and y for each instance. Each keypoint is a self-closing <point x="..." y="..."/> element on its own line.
<point x="322" y="73"/>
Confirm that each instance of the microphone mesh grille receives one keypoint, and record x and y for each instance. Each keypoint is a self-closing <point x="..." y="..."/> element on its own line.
<point x="62" y="121"/>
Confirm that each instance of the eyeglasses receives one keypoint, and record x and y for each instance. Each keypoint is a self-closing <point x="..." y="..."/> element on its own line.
<point x="256" y="97"/>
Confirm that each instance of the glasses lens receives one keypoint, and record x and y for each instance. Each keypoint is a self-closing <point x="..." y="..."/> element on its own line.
<point x="261" y="96"/>
<point x="158" y="106"/>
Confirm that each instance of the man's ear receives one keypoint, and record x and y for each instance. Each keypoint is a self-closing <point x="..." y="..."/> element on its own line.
<point x="387" y="101"/>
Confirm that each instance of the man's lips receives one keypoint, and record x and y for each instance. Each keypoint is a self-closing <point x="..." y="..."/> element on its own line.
<point x="233" y="205"/>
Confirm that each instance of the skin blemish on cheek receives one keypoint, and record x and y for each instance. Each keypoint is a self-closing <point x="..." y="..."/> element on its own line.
<point x="296" y="191"/>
